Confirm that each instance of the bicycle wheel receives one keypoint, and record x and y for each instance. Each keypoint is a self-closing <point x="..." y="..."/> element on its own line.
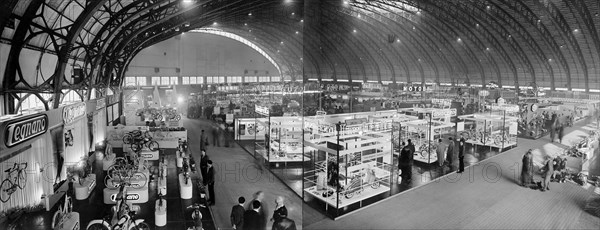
<point x="127" y="139"/>
<point x="141" y="178"/>
<point x="114" y="170"/>
<point x="21" y="179"/>
<point x="109" y="182"/>
<point x="158" y="117"/>
<point x="97" y="226"/>
<point x="177" y="117"/>
<point x="498" y="140"/>
<point x="56" y="218"/>
<point x="141" y="226"/>
<point x="348" y="194"/>
<point x="375" y="185"/>
<point x="153" y="145"/>
<point x="120" y="161"/>
<point x="4" y="190"/>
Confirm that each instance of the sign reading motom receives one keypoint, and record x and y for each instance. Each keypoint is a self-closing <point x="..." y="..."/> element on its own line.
<point x="22" y="130"/>
<point x="72" y="112"/>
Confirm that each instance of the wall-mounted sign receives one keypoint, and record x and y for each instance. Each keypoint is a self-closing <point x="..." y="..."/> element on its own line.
<point x="506" y="107"/>
<point x="484" y="93"/>
<point x="444" y="113"/>
<point x="262" y="110"/>
<point x="443" y="102"/>
<point x="415" y="88"/>
<point x="372" y="86"/>
<point x="72" y="112"/>
<point x="22" y="130"/>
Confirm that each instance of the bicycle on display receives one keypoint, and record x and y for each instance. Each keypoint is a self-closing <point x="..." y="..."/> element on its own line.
<point x="135" y="135"/>
<point x="196" y="215"/>
<point x="356" y="186"/>
<point x="171" y="114"/>
<point x="62" y="212"/>
<point x="17" y="178"/>
<point x="147" y="142"/>
<point x="123" y="172"/>
<point x="111" y="223"/>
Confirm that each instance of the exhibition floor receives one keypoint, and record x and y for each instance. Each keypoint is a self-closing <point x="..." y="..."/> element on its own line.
<point x="237" y="173"/>
<point x="485" y="196"/>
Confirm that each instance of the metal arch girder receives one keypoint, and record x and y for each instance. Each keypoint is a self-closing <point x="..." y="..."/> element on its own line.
<point x="443" y="16"/>
<point x="589" y="23"/>
<point x="528" y="38"/>
<point x="404" y="17"/>
<point x="265" y="36"/>
<point x="6" y="8"/>
<point x="272" y="28"/>
<point x="411" y="38"/>
<point x="65" y="51"/>
<point x="475" y="17"/>
<point x="378" y="48"/>
<point x="479" y="17"/>
<point x="559" y="19"/>
<point x="12" y="63"/>
<point x="358" y="45"/>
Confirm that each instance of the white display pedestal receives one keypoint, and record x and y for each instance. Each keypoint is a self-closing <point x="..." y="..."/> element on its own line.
<point x="134" y="195"/>
<point x="160" y="213"/>
<point x="135" y="182"/>
<point x="71" y="221"/>
<point x="185" y="189"/>
<point x="162" y="185"/>
<point x="82" y="192"/>
<point x="108" y="161"/>
<point x="179" y="162"/>
<point x="149" y="155"/>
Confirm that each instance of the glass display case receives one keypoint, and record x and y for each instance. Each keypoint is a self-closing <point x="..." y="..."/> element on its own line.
<point x="489" y="130"/>
<point x="351" y="166"/>
<point x="424" y="134"/>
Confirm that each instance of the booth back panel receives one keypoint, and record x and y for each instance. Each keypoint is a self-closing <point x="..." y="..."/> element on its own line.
<point x="40" y="173"/>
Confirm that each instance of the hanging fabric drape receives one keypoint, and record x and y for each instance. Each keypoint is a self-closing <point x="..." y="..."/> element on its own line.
<point x="40" y="173"/>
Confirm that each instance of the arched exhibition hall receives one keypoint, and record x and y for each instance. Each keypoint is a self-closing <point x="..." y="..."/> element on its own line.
<point x="299" y="114"/>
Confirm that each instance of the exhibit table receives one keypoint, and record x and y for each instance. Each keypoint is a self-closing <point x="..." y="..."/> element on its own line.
<point x="134" y="195"/>
<point x="185" y="188"/>
<point x="83" y="190"/>
<point x="160" y="213"/>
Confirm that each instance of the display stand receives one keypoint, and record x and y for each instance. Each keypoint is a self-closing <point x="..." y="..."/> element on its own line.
<point x="69" y="222"/>
<point x="160" y="213"/>
<point x="424" y="135"/>
<point x="357" y="154"/>
<point x="134" y="195"/>
<point x="179" y="161"/>
<point x="489" y="130"/>
<point x="82" y="191"/>
<point x="185" y="189"/>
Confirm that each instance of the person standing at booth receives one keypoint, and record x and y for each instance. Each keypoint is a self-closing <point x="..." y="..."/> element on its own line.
<point x="210" y="183"/>
<point x="237" y="214"/>
<point x="203" y="164"/>
<point x="461" y="155"/>
<point x="450" y="154"/>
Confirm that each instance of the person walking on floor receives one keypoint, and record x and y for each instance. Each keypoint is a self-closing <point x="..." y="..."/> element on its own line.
<point x="461" y="155"/>
<point x="561" y="132"/>
<point x="262" y="212"/>
<point x="280" y="210"/>
<point x="527" y="169"/>
<point x="450" y="154"/>
<point x="252" y="218"/>
<point x="210" y="183"/>
<point x="548" y="171"/>
<point x="215" y="136"/>
<point x="203" y="140"/>
<point x="237" y="214"/>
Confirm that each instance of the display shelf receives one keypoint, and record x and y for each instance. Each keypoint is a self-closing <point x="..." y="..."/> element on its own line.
<point x="419" y="158"/>
<point x="368" y="192"/>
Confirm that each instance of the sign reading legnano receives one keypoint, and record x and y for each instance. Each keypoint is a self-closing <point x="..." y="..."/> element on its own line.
<point x="72" y="112"/>
<point x="20" y="131"/>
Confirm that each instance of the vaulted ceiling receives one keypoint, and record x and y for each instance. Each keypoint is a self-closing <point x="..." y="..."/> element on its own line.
<point x="552" y="43"/>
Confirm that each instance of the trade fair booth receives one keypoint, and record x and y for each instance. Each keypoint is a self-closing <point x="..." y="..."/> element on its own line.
<point x="352" y="163"/>
<point x="488" y="131"/>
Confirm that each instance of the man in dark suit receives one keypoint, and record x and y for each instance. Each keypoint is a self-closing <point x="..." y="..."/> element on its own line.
<point x="262" y="211"/>
<point x="237" y="214"/>
<point x="210" y="183"/>
<point x="251" y="217"/>
<point x="461" y="155"/>
<point x="203" y="165"/>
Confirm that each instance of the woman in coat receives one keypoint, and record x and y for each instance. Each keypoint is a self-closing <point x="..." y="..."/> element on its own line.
<point x="527" y="169"/>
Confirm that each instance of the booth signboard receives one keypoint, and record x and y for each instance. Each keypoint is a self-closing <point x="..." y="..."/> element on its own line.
<point x="262" y="110"/>
<point x="444" y="113"/>
<point x="73" y="112"/>
<point x="19" y="131"/>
